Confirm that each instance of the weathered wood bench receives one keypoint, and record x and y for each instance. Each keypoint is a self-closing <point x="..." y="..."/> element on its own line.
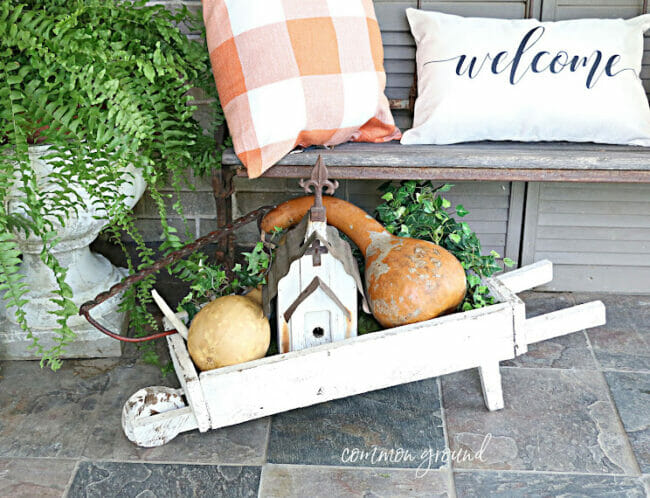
<point x="494" y="161"/>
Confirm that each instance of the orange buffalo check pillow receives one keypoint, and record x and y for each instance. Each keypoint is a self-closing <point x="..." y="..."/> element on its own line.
<point x="297" y="72"/>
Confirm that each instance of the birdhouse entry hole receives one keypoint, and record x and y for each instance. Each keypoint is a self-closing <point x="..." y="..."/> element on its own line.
<point x="317" y="327"/>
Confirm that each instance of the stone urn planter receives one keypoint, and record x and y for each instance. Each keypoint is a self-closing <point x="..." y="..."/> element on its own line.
<point x="88" y="273"/>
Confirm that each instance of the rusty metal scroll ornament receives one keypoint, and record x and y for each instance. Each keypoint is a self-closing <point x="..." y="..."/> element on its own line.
<point x="320" y="182"/>
<point x="173" y="257"/>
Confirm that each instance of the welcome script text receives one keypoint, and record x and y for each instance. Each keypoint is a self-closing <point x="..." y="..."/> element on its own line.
<point x="596" y="64"/>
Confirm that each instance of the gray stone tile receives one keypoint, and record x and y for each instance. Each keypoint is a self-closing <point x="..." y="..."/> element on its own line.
<point x="539" y="303"/>
<point x="643" y="317"/>
<point x="241" y="444"/>
<point x="624" y="312"/>
<point x="29" y="477"/>
<point x="77" y="412"/>
<point x="517" y="484"/>
<point x="118" y="479"/>
<point x="620" y="349"/>
<point x="631" y="393"/>
<point x="405" y="417"/>
<point x="623" y="343"/>
<point x="645" y="479"/>
<point x="45" y="413"/>
<point x="569" y="351"/>
<point x="553" y="420"/>
<point x="280" y="481"/>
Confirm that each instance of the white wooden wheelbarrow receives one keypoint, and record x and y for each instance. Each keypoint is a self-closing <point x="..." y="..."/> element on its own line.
<point x="477" y="338"/>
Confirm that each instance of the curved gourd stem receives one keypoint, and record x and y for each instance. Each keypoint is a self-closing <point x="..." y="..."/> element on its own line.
<point x="348" y="218"/>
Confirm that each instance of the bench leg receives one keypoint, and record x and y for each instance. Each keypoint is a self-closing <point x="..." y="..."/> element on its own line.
<point x="222" y="187"/>
<point x="491" y="384"/>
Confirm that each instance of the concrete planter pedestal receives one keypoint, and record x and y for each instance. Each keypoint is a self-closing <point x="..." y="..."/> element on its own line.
<point x="88" y="274"/>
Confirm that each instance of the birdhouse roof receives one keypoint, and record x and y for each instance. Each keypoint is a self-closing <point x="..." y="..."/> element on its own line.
<point x="293" y="246"/>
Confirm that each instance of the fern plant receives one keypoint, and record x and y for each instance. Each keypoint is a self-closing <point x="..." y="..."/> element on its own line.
<point x="104" y="83"/>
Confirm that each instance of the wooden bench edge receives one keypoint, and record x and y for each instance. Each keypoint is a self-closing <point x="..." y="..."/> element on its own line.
<point x="458" y="174"/>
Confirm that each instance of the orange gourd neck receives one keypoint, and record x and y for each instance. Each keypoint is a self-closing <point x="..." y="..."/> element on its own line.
<point x="348" y="218"/>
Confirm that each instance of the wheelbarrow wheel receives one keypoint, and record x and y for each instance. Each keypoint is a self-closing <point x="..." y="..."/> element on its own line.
<point x="155" y="415"/>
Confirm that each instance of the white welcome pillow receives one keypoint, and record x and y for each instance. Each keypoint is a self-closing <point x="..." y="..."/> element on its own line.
<point x="525" y="80"/>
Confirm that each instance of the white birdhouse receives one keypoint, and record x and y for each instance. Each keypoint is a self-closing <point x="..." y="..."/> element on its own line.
<point x="315" y="278"/>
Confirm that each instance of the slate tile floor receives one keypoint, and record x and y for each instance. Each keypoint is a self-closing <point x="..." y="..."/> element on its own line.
<point x="576" y="423"/>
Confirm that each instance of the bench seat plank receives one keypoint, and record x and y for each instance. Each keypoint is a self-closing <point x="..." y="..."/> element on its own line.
<point x="498" y="161"/>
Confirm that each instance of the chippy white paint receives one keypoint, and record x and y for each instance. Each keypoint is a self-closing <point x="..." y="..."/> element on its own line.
<point x="477" y="338"/>
<point x="86" y="272"/>
<point x="319" y="318"/>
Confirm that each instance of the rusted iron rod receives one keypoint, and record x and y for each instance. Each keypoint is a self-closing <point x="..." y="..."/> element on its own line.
<point x="184" y="251"/>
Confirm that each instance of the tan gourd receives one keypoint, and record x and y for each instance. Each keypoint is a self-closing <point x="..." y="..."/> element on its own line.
<point x="227" y="331"/>
<point x="407" y="280"/>
<point x="256" y="295"/>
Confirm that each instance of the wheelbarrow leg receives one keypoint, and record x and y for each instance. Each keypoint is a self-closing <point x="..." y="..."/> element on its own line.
<point x="491" y="384"/>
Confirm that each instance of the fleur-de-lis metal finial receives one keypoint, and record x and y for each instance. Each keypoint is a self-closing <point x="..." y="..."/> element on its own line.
<point x="320" y="183"/>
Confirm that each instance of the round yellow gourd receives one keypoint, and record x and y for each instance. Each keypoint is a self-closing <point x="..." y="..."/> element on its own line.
<point x="227" y="331"/>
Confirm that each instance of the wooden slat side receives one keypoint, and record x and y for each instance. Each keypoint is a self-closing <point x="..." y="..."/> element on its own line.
<point x="362" y="364"/>
<point x="517" y="203"/>
<point x="596" y="11"/>
<point x="596" y="258"/>
<point x="189" y="380"/>
<point x="591" y="234"/>
<point x="617" y="247"/>
<point x="566" y="321"/>
<point x="598" y="236"/>
<point x="528" y="277"/>
<point x="601" y="278"/>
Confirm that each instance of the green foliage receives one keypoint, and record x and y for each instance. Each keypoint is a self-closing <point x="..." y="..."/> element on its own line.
<point x="209" y="281"/>
<point x="257" y="265"/>
<point x="366" y="323"/>
<point x="416" y="209"/>
<point x="105" y="83"/>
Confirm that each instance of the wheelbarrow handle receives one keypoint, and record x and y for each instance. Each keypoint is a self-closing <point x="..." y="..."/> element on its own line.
<point x="172" y="257"/>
